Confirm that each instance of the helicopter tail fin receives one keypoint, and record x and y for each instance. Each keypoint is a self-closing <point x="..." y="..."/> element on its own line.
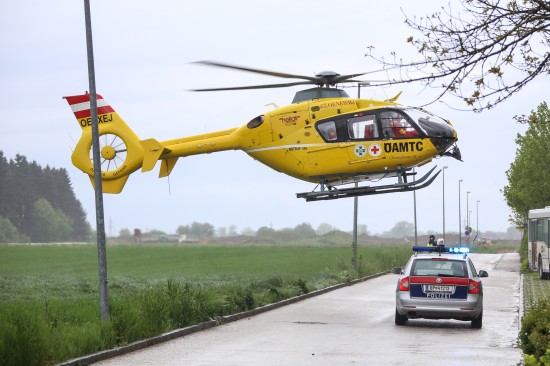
<point x="121" y="150"/>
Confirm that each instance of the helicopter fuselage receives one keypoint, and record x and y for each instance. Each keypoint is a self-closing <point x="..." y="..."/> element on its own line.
<point x="333" y="140"/>
<point x="329" y="141"/>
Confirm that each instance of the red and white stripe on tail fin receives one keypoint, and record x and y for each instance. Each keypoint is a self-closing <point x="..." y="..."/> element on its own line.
<point x="80" y="105"/>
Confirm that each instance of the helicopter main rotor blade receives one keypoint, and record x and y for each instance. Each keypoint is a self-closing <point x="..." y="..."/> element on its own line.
<point x="314" y="80"/>
<point x="367" y="82"/>
<point x="267" y="86"/>
<point x="340" y="78"/>
<point x="325" y="78"/>
<point x="349" y="78"/>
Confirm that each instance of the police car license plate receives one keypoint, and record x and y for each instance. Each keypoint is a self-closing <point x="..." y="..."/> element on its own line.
<point x="439" y="288"/>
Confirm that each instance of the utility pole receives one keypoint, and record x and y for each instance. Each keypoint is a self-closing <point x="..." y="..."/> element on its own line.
<point x="414" y="208"/>
<point x="477" y="218"/>
<point x="468" y="232"/>
<point x="445" y="167"/>
<point x="355" y="209"/>
<point x="100" y="220"/>
<point x="459" y="216"/>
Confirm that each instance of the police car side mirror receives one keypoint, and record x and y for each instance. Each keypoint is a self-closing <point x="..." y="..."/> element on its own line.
<point x="483" y="273"/>
<point x="396" y="270"/>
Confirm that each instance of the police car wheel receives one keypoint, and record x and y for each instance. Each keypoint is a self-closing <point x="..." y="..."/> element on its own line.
<point x="400" y="319"/>
<point x="477" y="322"/>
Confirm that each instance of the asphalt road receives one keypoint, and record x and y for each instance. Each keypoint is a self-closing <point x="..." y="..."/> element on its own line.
<point x="355" y="326"/>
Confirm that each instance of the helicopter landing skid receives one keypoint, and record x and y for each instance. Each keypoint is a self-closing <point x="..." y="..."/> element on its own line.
<point x="332" y="193"/>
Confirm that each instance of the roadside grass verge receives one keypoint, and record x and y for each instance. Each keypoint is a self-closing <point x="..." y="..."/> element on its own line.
<point x="534" y="335"/>
<point x="49" y="306"/>
<point x="534" y="290"/>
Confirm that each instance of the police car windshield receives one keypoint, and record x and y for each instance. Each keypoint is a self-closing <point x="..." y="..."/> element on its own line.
<point x="438" y="267"/>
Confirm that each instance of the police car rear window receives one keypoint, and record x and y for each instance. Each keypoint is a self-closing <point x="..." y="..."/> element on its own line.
<point x="439" y="267"/>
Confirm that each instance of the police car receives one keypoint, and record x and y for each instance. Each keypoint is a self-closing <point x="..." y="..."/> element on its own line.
<point x="439" y="283"/>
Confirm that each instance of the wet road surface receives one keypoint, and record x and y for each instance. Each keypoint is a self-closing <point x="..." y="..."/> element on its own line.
<point x="355" y="326"/>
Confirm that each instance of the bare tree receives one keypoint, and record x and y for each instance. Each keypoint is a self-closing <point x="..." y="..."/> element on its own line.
<point x="482" y="54"/>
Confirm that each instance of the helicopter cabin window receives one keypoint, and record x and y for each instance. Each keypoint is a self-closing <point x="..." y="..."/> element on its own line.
<point x="362" y="127"/>
<point x="394" y="125"/>
<point x="328" y="130"/>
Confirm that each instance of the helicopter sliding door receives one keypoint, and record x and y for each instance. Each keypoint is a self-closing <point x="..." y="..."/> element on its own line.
<point x="363" y="131"/>
<point x="381" y="139"/>
<point x="362" y="127"/>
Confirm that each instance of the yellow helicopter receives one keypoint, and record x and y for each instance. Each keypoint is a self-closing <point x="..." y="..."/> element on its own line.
<point x="323" y="137"/>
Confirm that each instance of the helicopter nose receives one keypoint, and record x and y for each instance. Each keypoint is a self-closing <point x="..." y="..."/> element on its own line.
<point x="442" y="135"/>
<point x="444" y="138"/>
<point x="453" y="153"/>
<point x="442" y="144"/>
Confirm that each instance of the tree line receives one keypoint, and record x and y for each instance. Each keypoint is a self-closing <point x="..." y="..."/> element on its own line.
<point x="529" y="174"/>
<point x="204" y="231"/>
<point x="38" y="204"/>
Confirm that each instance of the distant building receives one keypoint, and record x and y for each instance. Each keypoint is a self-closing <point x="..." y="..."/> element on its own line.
<point x="166" y="238"/>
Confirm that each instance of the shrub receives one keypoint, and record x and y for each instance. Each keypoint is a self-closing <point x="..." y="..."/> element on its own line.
<point x="302" y="286"/>
<point x="535" y="329"/>
<point x="8" y="232"/>
<point x="239" y="300"/>
<point x="166" y="306"/>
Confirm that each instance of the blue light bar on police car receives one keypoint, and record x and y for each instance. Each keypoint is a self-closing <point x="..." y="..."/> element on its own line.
<point x="441" y="249"/>
<point x="459" y="250"/>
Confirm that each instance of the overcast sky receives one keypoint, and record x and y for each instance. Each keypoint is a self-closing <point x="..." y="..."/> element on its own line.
<point x="143" y="52"/>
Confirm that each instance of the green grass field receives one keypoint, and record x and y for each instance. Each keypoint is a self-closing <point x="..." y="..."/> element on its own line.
<point x="49" y="306"/>
<point x="69" y="271"/>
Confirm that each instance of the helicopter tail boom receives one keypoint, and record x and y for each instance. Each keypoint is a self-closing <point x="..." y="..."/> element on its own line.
<point x="122" y="152"/>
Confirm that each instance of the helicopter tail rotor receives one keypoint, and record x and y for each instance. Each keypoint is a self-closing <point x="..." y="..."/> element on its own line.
<point x="121" y="151"/>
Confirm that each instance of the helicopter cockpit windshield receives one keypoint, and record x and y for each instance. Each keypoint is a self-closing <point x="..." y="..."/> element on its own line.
<point x="430" y="124"/>
<point x="396" y="125"/>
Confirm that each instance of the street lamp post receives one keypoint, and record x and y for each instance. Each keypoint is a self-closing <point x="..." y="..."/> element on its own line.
<point x="415" y="223"/>
<point x="355" y="208"/>
<point x="477" y="218"/>
<point x="445" y="167"/>
<point x="468" y="216"/>
<point x="100" y="215"/>
<point x="467" y="208"/>
<point x="459" y="216"/>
